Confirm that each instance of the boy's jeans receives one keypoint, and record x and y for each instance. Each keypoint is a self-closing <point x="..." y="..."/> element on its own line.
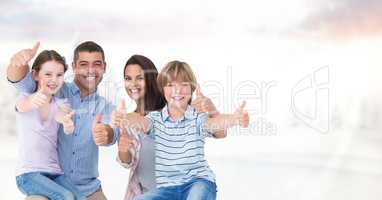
<point x="196" y="189"/>
<point x="53" y="186"/>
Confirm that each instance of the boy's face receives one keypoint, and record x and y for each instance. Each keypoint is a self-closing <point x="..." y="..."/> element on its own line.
<point x="177" y="93"/>
<point x="50" y="77"/>
<point x="88" y="70"/>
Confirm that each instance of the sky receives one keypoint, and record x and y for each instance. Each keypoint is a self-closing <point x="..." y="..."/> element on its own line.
<point x="278" y="41"/>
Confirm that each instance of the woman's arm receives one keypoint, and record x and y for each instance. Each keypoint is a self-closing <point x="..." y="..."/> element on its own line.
<point x="125" y="147"/>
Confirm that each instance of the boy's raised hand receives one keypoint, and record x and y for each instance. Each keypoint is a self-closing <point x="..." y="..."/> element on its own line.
<point x="22" y="57"/>
<point x="202" y="103"/>
<point x="242" y="115"/>
<point x="117" y="115"/>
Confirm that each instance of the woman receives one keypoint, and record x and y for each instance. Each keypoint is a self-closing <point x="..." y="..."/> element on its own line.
<point x="136" y="151"/>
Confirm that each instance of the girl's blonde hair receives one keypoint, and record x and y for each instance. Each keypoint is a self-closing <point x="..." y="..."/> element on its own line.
<point x="176" y="70"/>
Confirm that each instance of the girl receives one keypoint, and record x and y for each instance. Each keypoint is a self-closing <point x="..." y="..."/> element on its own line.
<point x="181" y="171"/>
<point x="136" y="151"/>
<point x="38" y="117"/>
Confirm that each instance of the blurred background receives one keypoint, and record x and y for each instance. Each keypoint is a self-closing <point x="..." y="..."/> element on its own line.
<point x="309" y="71"/>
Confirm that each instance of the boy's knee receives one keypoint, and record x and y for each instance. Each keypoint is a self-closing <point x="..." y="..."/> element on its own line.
<point x="202" y="189"/>
<point x="36" y="197"/>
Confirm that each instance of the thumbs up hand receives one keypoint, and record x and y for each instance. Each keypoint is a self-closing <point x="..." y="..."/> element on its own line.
<point x="102" y="133"/>
<point x="38" y="99"/>
<point x="202" y="103"/>
<point x="67" y="123"/>
<point x="22" y="57"/>
<point x="118" y="115"/>
<point x="242" y="115"/>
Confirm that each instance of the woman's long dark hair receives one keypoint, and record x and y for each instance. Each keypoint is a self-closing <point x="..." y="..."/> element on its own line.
<point x="153" y="99"/>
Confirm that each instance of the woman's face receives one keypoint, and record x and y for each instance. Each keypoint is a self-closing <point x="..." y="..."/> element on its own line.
<point x="177" y="93"/>
<point x="50" y="78"/>
<point x="135" y="82"/>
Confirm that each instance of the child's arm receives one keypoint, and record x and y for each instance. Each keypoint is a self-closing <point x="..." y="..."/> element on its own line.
<point x="119" y="118"/>
<point x="33" y="101"/>
<point x="18" y="67"/>
<point x="224" y="121"/>
<point x="137" y="122"/>
<point x="202" y="103"/>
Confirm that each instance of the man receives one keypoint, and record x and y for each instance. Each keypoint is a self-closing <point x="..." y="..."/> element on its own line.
<point x="78" y="152"/>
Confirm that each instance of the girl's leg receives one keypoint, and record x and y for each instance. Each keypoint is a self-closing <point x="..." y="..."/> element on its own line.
<point x="38" y="184"/>
<point x="200" y="189"/>
<point x="65" y="182"/>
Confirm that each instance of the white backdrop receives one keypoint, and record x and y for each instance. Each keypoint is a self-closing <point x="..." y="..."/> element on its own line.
<point x="309" y="71"/>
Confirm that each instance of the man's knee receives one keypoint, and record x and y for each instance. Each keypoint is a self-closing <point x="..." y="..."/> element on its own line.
<point x="67" y="195"/>
<point x="36" y="197"/>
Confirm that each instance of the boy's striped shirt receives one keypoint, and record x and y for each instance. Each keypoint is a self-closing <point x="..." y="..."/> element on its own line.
<point x="179" y="147"/>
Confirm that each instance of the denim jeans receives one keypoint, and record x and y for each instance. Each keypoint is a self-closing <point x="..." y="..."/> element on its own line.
<point x="53" y="186"/>
<point x="196" y="189"/>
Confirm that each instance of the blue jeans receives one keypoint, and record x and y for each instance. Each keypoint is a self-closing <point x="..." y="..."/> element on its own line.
<point x="53" y="186"/>
<point x="196" y="189"/>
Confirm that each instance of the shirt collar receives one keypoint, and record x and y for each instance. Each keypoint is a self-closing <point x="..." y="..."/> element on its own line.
<point x="188" y="114"/>
<point x="76" y="90"/>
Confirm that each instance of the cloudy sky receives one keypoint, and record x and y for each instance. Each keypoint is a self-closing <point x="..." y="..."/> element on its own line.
<point x="280" y="41"/>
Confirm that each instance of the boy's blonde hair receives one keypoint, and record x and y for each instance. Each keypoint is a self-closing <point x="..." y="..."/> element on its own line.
<point x="176" y="70"/>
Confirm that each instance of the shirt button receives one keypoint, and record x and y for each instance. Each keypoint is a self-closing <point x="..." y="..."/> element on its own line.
<point x="71" y="171"/>
<point x="73" y="152"/>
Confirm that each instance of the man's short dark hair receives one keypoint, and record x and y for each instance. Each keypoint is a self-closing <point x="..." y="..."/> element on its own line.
<point x="88" y="46"/>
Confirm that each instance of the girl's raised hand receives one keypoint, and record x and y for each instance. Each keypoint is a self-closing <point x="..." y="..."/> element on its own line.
<point x="68" y="123"/>
<point x="38" y="99"/>
<point x="22" y="57"/>
<point x="242" y="115"/>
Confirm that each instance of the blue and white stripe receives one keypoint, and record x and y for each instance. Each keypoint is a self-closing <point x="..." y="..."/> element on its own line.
<point x="179" y="147"/>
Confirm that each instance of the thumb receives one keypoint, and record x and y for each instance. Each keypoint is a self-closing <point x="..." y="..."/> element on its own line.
<point x="71" y="114"/>
<point x="198" y="91"/>
<point x="122" y="105"/>
<point x="97" y="119"/>
<point x="241" y="107"/>
<point x="35" y="48"/>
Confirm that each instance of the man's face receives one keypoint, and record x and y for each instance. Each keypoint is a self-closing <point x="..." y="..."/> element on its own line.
<point x="88" y="70"/>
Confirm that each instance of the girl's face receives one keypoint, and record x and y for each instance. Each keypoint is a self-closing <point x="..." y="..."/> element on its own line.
<point x="135" y="82"/>
<point x="50" y="77"/>
<point x="178" y="93"/>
